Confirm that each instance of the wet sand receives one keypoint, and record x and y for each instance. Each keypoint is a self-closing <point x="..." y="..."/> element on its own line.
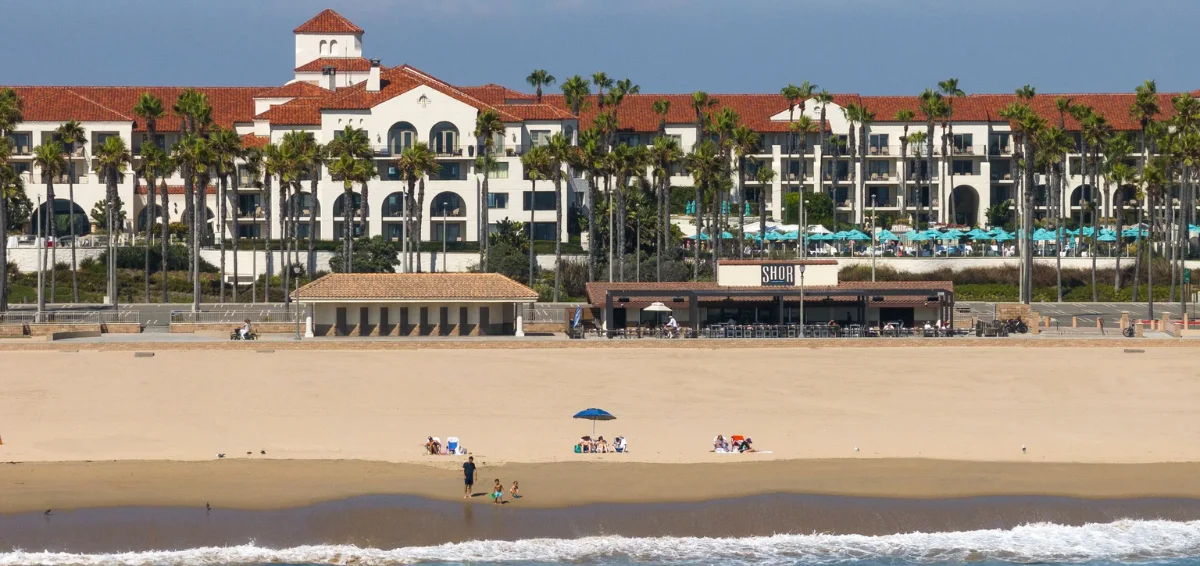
<point x="398" y="521"/>
<point x="279" y="484"/>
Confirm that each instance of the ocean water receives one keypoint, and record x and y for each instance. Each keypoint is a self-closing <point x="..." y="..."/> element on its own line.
<point x="1117" y="543"/>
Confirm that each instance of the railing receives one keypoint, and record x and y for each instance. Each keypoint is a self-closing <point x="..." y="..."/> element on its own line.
<point x="70" y="317"/>
<point x="232" y="316"/>
<point x="880" y="177"/>
<point x="968" y="150"/>
<point x="63" y="179"/>
<point x="547" y="313"/>
<point x="998" y="150"/>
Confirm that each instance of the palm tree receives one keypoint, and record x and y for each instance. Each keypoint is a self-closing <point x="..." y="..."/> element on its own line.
<point x="415" y="164"/>
<point x="822" y="99"/>
<point x="487" y="124"/>
<point x="803" y="126"/>
<point x="559" y="149"/>
<point x="575" y="91"/>
<point x="587" y="157"/>
<point x="661" y="107"/>
<point x="932" y="107"/>
<point x="1144" y="109"/>
<point x="1154" y="182"/>
<point x="111" y="159"/>
<point x="226" y="147"/>
<point x="539" y="78"/>
<point x="726" y="122"/>
<point x="154" y="163"/>
<point x="917" y="141"/>
<point x="72" y="134"/>
<point x="705" y="165"/>
<point x="1095" y="132"/>
<point x="949" y="89"/>
<point x="745" y="143"/>
<point x="254" y="166"/>
<point x="198" y="162"/>
<point x="791" y="93"/>
<point x="664" y="155"/>
<point x="765" y="176"/>
<point x="536" y="163"/>
<point x="344" y="168"/>
<point x="49" y="158"/>
<point x="273" y="164"/>
<point x="904" y="117"/>
<point x="10" y="115"/>
<point x="1054" y="144"/>
<point x="601" y="80"/>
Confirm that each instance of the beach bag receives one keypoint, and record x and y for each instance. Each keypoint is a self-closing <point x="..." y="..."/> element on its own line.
<point x="578" y="449"/>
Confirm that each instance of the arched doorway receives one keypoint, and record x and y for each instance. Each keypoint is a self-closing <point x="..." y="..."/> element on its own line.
<point x="965" y="200"/>
<point x="61" y="220"/>
<point x="340" y="210"/>
<point x="151" y="212"/>
<point x="401" y="136"/>
<point x="444" y="206"/>
<point x="443" y="139"/>
<point x="393" y="213"/>
<point x="1085" y="204"/>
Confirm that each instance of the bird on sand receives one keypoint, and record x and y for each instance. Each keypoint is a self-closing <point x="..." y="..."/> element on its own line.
<point x="1023" y="449"/>
<point x="221" y="455"/>
<point x="47" y="513"/>
<point x="263" y="452"/>
<point x="207" y="507"/>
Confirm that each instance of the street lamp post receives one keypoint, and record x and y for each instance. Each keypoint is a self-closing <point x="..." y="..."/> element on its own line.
<point x="801" y="266"/>
<point x="874" y="249"/>
<point x="296" y="272"/>
<point x="444" y="204"/>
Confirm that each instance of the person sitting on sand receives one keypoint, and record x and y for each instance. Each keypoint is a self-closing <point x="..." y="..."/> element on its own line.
<point x="719" y="444"/>
<point x="744" y="446"/>
<point x="601" y="445"/>
<point x="497" y="492"/>
<point x="433" y="445"/>
<point x="513" y="491"/>
<point x="585" y="442"/>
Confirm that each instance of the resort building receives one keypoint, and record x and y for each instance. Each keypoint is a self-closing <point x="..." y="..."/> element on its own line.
<point x="335" y="85"/>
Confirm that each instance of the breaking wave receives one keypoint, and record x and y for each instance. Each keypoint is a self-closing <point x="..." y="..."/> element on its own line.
<point x="1120" y="542"/>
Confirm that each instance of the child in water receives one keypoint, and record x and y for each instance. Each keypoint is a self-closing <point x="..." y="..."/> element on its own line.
<point x="513" y="491"/>
<point x="497" y="492"/>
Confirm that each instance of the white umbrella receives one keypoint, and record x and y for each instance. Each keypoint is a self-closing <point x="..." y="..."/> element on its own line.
<point x="657" y="307"/>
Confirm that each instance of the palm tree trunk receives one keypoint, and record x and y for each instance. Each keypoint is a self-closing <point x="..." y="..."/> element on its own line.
<point x="110" y="211"/>
<point x="557" y="231"/>
<point x="47" y="228"/>
<point x="365" y="211"/>
<point x="484" y="231"/>
<point x="699" y="231"/>
<point x="1057" y="184"/>
<point x="347" y="220"/>
<point x="199" y="219"/>
<point x="268" y="261"/>
<point x="164" y="234"/>
<point x="285" y="242"/>
<point x="1150" y="263"/>
<point x="416" y="248"/>
<point x="532" y="208"/>
<point x="3" y="250"/>
<point x="189" y="218"/>
<point x="222" y="210"/>
<point x="150" y="204"/>
<point x="71" y="221"/>
<point x="312" y="224"/>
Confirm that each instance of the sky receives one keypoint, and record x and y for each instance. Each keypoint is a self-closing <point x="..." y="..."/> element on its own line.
<point x="723" y="46"/>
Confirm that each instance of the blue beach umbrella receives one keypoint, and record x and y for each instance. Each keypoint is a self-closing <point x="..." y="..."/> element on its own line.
<point x="594" y="415"/>
<point x="790" y="236"/>
<point x="1003" y="237"/>
<point x="774" y="236"/>
<point x="857" y="236"/>
<point x="886" y="236"/>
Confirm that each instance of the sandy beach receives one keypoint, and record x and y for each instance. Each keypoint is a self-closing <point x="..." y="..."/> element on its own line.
<point x="926" y="422"/>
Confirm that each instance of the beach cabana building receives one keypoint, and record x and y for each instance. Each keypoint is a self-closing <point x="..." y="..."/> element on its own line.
<point x="413" y="304"/>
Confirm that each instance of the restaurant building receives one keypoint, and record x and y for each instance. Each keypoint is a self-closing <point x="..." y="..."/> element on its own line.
<point x="413" y="304"/>
<point x="771" y="292"/>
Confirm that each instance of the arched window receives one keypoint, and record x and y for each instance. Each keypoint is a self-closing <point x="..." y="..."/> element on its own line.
<point x="443" y="139"/>
<point x="447" y="204"/>
<point x="339" y="205"/>
<point x="394" y="207"/>
<point x="323" y="49"/>
<point x="305" y="206"/>
<point x="333" y="48"/>
<point x="401" y="136"/>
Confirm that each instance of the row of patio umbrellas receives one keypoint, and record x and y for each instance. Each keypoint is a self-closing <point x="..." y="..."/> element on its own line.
<point x="976" y="234"/>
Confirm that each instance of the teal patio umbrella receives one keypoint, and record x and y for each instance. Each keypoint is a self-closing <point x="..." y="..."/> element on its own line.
<point x="886" y="236"/>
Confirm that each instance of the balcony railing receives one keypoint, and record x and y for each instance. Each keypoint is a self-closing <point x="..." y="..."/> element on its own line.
<point x="881" y="150"/>
<point x="1000" y="150"/>
<point x="967" y="149"/>
<point x="880" y="177"/>
<point x="63" y="179"/>
<point x="447" y="150"/>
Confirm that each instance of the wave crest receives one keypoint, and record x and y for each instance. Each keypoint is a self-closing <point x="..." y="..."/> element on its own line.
<point x="1120" y="541"/>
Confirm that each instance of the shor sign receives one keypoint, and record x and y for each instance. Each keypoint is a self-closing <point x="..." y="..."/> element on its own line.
<point x="778" y="275"/>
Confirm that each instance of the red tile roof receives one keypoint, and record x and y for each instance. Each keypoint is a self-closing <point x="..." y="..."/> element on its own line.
<point x="342" y="64"/>
<point x="297" y="89"/>
<point x="496" y="94"/>
<point x="417" y="287"/>
<point x="328" y="21"/>
<point x="636" y="112"/>
<point x="298" y="112"/>
<point x="396" y="81"/>
<point x="251" y="140"/>
<point x="115" y="104"/>
<point x="535" y="111"/>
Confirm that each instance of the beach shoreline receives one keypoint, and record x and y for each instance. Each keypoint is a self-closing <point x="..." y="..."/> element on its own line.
<point x="282" y="484"/>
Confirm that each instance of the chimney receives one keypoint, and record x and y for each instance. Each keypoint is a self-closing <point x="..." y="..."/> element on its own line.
<point x="329" y="78"/>
<point x="373" y="78"/>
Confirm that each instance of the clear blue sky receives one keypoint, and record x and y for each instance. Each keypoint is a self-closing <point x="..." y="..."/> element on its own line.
<point x="864" y="46"/>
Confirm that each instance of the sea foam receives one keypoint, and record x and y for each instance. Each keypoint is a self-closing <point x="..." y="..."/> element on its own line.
<point x="1126" y="541"/>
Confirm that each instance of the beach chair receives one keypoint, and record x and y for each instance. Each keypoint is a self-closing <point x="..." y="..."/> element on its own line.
<point x="620" y="444"/>
<point x="451" y="441"/>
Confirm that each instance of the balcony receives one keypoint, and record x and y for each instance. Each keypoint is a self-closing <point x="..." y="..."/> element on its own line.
<point x="21" y="145"/>
<point x="880" y="178"/>
<point x="802" y="177"/>
<point x="446" y="150"/>
<point x="881" y="151"/>
<point x="842" y="177"/>
<point x="250" y="213"/>
<point x="1002" y="177"/>
<point x="63" y="179"/>
<point x="968" y="150"/>
<point x="384" y="150"/>
<point x="1000" y="150"/>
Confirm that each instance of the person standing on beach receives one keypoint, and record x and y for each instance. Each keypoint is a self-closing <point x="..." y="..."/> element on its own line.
<point x="469" y="474"/>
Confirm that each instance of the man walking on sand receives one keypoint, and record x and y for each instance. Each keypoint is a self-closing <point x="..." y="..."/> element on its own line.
<point x="469" y="476"/>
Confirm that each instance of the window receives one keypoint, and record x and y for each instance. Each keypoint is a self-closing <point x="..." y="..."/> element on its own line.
<point x="541" y="231"/>
<point x="878" y="143"/>
<point x="631" y="140"/>
<point x="962" y="167"/>
<point x="539" y="137"/>
<point x="999" y="144"/>
<point x="544" y="200"/>
<point x="247" y="205"/>
<point x="499" y="171"/>
<point x="449" y="172"/>
<point x="877" y="169"/>
<point x="20" y="167"/>
<point x="843" y="170"/>
<point x="1001" y="170"/>
<point x="103" y="137"/>
<point x="389" y="172"/>
<point x="497" y="200"/>
<point x="962" y="143"/>
<point x="796" y="169"/>
<point x="452" y="231"/>
<point x="20" y="144"/>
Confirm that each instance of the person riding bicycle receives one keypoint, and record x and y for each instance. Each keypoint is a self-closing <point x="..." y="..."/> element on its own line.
<point x="244" y="331"/>
<point x="672" y="327"/>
